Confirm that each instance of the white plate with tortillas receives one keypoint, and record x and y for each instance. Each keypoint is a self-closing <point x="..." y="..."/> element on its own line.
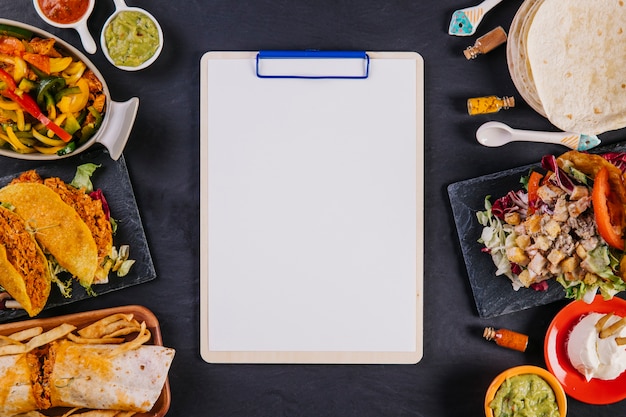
<point x="567" y="60"/>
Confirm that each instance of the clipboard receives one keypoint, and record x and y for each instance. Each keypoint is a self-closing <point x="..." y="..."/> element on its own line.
<point x="311" y="207"/>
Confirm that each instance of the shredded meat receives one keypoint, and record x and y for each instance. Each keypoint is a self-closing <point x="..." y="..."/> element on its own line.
<point x="40" y="363"/>
<point x="89" y="210"/>
<point x="24" y="255"/>
<point x="28" y="176"/>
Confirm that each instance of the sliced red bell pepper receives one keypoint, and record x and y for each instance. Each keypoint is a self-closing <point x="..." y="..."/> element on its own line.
<point x="533" y="185"/>
<point x="27" y="103"/>
<point x="606" y="210"/>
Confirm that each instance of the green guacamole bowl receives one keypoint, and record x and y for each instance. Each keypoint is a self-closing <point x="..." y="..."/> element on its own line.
<point x="516" y="381"/>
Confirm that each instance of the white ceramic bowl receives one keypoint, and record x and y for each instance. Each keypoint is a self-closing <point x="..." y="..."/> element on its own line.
<point x="121" y="7"/>
<point x="118" y="119"/>
<point x="80" y="25"/>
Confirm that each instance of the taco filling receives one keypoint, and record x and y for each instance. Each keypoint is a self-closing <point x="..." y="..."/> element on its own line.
<point x="58" y="228"/>
<point x="89" y="210"/>
<point x="24" y="270"/>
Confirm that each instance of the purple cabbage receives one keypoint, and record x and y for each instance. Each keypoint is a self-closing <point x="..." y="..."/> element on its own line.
<point x="616" y="158"/>
<point x="549" y="163"/>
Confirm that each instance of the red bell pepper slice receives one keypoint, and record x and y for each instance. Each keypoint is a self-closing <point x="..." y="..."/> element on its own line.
<point x="533" y="185"/>
<point x="606" y="210"/>
<point x="27" y="103"/>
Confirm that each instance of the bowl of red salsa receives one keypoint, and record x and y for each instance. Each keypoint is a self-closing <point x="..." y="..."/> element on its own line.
<point x="71" y="14"/>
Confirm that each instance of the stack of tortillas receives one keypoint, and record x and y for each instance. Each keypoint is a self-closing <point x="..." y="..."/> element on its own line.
<point x="567" y="59"/>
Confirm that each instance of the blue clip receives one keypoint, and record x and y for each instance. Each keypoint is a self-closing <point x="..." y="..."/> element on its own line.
<point x="313" y="54"/>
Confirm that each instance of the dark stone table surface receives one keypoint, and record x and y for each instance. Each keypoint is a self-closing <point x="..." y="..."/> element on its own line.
<point x="162" y="156"/>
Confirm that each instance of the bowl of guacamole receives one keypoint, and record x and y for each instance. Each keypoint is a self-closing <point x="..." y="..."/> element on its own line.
<point x="523" y="391"/>
<point x="131" y="39"/>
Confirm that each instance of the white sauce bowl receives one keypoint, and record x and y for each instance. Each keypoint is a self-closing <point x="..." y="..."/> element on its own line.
<point x="121" y="7"/>
<point x="80" y="26"/>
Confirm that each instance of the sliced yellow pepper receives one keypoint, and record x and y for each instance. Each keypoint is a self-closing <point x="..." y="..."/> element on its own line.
<point x="20" y="69"/>
<point x="49" y="150"/>
<point x="20" y="119"/>
<point x="74" y="72"/>
<point x="52" y="111"/>
<point x="58" y="121"/>
<point x="8" y="105"/>
<point x="75" y="102"/>
<point x="15" y="142"/>
<point x="59" y="64"/>
<point x="46" y="140"/>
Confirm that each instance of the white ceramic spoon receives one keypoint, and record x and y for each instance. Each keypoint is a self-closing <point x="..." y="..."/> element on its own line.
<point x="494" y="134"/>
<point x="465" y="21"/>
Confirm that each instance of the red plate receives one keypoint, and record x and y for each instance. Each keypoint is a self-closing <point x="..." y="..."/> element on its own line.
<point x="596" y="391"/>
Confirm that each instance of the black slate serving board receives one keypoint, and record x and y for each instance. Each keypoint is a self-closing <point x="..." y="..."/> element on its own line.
<point x="112" y="177"/>
<point x="494" y="295"/>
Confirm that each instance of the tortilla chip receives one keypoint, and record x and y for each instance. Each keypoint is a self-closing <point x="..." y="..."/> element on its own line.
<point x="58" y="228"/>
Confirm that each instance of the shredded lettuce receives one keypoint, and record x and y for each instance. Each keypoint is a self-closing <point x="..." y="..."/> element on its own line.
<point x="7" y="205"/>
<point x="82" y="178"/>
<point x="65" y="287"/>
<point x="495" y="236"/>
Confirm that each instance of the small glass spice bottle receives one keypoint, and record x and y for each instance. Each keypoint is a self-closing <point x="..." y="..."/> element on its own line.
<point x="488" y="104"/>
<point x="506" y="338"/>
<point x="486" y="43"/>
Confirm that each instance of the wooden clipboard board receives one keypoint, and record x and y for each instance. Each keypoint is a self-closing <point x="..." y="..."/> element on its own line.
<point x="311" y="207"/>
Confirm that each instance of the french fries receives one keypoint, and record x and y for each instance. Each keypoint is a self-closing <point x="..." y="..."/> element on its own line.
<point x="21" y="335"/>
<point x="143" y="336"/>
<point x="112" y="329"/>
<point x="108" y="325"/>
<point x="613" y="328"/>
<point x="605" y="331"/>
<point x="600" y="324"/>
<point x="95" y="413"/>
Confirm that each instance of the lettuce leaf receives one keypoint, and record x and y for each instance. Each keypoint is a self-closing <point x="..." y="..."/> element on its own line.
<point x="82" y="178"/>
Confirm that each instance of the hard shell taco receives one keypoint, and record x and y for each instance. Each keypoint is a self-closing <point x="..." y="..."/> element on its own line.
<point x="91" y="212"/>
<point x="24" y="270"/>
<point x="57" y="228"/>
